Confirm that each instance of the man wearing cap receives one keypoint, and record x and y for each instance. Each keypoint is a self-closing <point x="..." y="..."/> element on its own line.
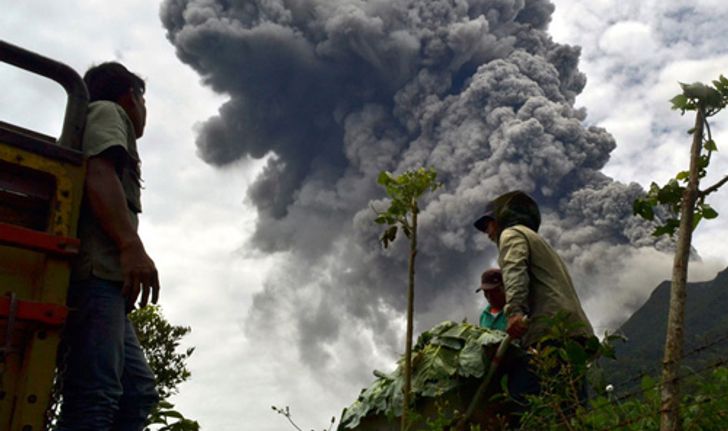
<point x="492" y="317"/>
<point x="536" y="281"/>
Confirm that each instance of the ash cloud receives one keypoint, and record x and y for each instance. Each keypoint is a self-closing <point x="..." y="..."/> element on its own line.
<point x="334" y="91"/>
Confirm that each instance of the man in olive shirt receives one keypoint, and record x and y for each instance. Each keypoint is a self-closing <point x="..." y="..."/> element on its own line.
<point x="107" y="383"/>
<point x="537" y="282"/>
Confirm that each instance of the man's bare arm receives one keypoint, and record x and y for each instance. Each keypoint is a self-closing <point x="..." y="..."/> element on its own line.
<point x="106" y="198"/>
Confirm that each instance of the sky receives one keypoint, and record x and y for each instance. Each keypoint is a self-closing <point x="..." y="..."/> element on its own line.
<point x="274" y="287"/>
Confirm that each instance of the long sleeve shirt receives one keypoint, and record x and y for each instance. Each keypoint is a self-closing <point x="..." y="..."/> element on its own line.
<point x="537" y="282"/>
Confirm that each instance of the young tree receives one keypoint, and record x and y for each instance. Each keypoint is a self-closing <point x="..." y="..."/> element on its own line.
<point x="685" y="202"/>
<point x="160" y="339"/>
<point x="404" y="191"/>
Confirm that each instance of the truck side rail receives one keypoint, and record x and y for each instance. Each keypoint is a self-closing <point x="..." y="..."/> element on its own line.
<point x="75" y="116"/>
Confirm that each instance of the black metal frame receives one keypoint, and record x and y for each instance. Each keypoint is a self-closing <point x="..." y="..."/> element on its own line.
<point x="75" y="116"/>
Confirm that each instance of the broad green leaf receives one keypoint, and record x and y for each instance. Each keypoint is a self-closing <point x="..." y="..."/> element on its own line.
<point x="643" y="209"/>
<point x="172" y="414"/>
<point x="449" y="342"/>
<point x="654" y="189"/>
<point x="713" y="100"/>
<point x="697" y="90"/>
<point x="679" y="102"/>
<point x="708" y="212"/>
<point x="710" y="146"/>
<point x="576" y="353"/>
<point x="490" y="337"/>
<point x="682" y="175"/>
<point x="696" y="220"/>
<point x="438" y="367"/>
<point x="592" y="344"/>
<point x="389" y="236"/>
<point x="671" y="193"/>
<point x="407" y="231"/>
<point x="457" y="331"/>
<point x="470" y="361"/>
<point x="663" y="230"/>
<point x="703" y="161"/>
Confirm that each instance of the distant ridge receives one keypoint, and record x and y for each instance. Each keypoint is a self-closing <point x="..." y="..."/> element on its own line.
<point x="706" y="333"/>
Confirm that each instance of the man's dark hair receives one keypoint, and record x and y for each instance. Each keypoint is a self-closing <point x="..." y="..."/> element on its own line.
<point x="111" y="80"/>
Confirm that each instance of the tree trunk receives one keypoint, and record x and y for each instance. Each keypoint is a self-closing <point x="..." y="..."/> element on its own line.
<point x="410" y="317"/>
<point x="670" y="400"/>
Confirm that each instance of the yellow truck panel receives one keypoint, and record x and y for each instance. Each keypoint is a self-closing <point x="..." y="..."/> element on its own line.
<point x="41" y="187"/>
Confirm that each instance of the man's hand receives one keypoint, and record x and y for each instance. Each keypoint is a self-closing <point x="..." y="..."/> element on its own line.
<point x="517" y="326"/>
<point x="140" y="274"/>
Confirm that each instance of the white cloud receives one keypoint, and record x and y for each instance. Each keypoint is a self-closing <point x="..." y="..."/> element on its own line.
<point x="646" y="269"/>
<point x="633" y="102"/>
<point x="687" y="71"/>
<point x="631" y="40"/>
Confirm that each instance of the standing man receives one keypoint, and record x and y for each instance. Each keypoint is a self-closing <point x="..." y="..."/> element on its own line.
<point x="537" y="283"/>
<point x="107" y="383"/>
<point x="492" y="317"/>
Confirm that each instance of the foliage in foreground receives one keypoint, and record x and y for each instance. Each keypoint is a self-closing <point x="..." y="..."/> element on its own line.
<point x="687" y="203"/>
<point x="404" y="191"/>
<point x="449" y="350"/>
<point x="160" y="340"/>
<point x="704" y="408"/>
<point x="442" y="357"/>
<point x="561" y="364"/>
<point x="707" y="101"/>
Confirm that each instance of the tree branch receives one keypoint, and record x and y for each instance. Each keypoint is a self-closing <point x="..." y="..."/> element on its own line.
<point x="713" y="188"/>
<point x="287" y="413"/>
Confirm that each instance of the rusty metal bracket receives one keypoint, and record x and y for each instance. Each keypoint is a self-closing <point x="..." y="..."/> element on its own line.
<point x="33" y="240"/>
<point x="40" y="312"/>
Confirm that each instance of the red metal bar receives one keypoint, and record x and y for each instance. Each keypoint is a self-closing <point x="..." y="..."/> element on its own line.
<point x="39" y="241"/>
<point x="49" y="314"/>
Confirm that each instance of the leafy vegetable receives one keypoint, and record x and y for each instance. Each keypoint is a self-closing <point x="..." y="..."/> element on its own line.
<point x="442" y="358"/>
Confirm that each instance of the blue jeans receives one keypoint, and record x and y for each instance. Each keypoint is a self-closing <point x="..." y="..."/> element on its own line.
<point x="107" y="383"/>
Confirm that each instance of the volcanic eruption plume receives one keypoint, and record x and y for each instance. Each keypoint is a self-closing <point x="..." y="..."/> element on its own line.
<point x="331" y="92"/>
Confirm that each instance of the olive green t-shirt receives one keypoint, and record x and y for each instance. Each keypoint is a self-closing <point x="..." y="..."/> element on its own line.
<point x="107" y="126"/>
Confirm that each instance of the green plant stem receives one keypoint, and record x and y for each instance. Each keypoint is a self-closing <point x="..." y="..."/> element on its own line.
<point x="410" y="318"/>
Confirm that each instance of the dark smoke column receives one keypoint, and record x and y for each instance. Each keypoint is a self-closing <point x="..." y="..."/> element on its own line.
<point x="333" y="91"/>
